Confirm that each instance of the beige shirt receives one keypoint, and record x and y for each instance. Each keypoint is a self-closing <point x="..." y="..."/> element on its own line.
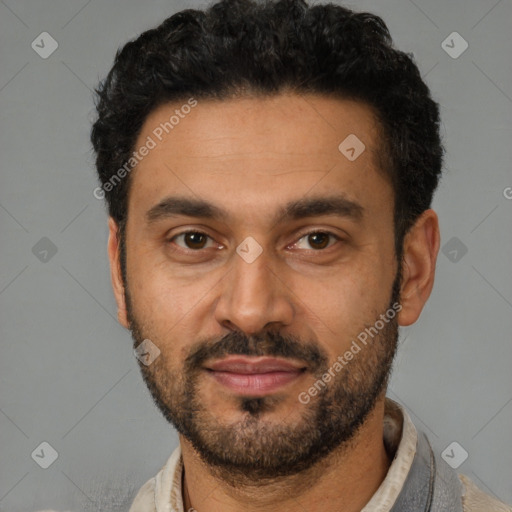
<point x="163" y="492"/>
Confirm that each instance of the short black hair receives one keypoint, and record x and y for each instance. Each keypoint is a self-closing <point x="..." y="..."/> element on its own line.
<point x="254" y="48"/>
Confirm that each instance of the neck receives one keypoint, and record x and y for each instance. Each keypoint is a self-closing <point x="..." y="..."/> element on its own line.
<point x="349" y="476"/>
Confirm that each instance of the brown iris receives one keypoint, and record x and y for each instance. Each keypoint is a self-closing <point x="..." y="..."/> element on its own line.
<point x="195" y="240"/>
<point x="318" y="240"/>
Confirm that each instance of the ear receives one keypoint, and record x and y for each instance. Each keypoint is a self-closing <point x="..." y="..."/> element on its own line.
<point x="114" y="252"/>
<point x="421" y="246"/>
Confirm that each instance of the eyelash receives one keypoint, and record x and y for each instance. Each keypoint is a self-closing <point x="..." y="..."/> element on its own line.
<point x="301" y="236"/>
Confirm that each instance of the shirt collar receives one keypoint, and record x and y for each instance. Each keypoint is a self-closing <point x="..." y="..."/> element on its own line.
<point x="400" y="439"/>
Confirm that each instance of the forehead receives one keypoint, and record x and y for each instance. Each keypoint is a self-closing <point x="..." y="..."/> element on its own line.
<point x="249" y="153"/>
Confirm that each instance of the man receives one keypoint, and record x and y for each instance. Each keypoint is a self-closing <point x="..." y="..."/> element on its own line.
<point x="269" y="171"/>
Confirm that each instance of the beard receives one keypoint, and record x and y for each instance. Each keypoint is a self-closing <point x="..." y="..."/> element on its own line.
<point x="253" y="448"/>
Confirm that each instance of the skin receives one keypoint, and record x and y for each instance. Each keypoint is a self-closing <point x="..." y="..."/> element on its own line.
<point x="251" y="156"/>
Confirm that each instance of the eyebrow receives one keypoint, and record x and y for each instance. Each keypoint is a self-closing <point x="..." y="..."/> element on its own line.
<point x="175" y="206"/>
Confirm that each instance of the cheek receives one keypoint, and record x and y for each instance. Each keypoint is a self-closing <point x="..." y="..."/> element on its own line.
<point x="169" y="307"/>
<point x="341" y="305"/>
<point x="162" y="302"/>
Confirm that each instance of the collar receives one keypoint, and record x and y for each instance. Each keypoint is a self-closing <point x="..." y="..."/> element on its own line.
<point x="400" y="438"/>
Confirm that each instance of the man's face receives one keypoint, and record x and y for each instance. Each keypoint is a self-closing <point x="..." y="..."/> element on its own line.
<point x="291" y="261"/>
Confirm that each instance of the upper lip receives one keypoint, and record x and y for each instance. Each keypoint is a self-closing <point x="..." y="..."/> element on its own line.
<point x="251" y="365"/>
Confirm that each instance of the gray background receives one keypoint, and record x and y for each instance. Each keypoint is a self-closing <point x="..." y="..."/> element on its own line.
<point x="68" y="375"/>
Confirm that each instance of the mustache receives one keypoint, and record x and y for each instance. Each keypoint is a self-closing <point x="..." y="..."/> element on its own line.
<point x="271" y="344"/>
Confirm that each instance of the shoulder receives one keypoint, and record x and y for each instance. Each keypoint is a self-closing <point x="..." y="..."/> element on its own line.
<point x="476" y="500"/>
<point x="155" y="494"/>
<point x="145" y="499"/>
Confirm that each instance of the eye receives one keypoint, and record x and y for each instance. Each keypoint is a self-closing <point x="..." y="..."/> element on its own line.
<point x="193" y="240"/>
<point x="317" y="240"/>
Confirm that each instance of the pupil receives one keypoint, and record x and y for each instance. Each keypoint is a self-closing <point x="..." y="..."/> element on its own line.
<point x="318" y="240"/>
<point x="194" y="240"/>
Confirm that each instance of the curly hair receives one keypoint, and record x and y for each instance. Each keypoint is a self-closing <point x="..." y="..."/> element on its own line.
<point x="247" y="47"/>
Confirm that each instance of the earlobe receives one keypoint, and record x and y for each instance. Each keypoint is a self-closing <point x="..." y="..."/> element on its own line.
<point x="114" y="252"/>
<point x="421" y="246"/>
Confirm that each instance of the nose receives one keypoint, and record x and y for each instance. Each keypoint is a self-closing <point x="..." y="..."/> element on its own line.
<point x="254" y="297"/>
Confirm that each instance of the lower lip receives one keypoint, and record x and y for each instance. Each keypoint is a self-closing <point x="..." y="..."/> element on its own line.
<point x="255" y="383"/>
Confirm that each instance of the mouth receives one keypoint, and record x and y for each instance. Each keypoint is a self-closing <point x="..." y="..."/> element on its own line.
<point x="255" y="376"/>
